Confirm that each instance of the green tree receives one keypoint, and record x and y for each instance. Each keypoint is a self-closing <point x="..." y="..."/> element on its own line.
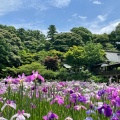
<point x="55" y="53"/>
<point x="36" y="34"/>
<point x="51" y="32"/>
<point x="83" y="32"/>
<point x="4" y="53"/>
<point x="94" y="54"/>
<point x="63" y="41"/>
<point x="114" y="37"/>
<point x="102" y="39"/>
<point x="21" y="33"/>
<point x="76" y="56"/>
<point x="11" y="29"/>
<point x="110" y="47"/>
<point x="85" y="56"/>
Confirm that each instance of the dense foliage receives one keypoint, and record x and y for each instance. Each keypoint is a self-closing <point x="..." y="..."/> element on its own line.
<point x="78" y="47"/>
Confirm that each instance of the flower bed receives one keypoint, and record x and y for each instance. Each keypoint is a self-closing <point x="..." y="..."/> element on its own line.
<point x="30" y="97"/>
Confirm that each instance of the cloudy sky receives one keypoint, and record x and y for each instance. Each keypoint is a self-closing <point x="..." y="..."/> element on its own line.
<point x="99" y="16"/>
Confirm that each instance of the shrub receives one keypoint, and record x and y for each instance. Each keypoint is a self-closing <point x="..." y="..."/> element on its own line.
<point x="62" y="74"/>
<point x="51" y="63"/>
<point x="27" y="69"/>
<point x="49" y="75"/>
<point x="98" y="79"/>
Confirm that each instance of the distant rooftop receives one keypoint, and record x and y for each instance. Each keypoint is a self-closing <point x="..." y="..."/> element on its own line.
<point x="113" y="56"/>
<point x="67" y="66"/>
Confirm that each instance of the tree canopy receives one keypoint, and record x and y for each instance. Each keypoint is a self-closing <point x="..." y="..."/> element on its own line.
<point x="83" y="32"/>
<point x="76" y="56"/>
<point x="88" y="55"/>
<point x="77" y="47"/>
<point x="63" y="41"/>
<point x="51" y="32"/>
<point x="94" y="54"/>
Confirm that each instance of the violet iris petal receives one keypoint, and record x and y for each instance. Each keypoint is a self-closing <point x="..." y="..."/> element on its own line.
<point x="81" y="99"/>
<point x="118" y="113"/>
<point x="106" y="109"/>
<point x="101" y="92"/>
<point x="50" y="116"/>
<point x="118" y="101"/>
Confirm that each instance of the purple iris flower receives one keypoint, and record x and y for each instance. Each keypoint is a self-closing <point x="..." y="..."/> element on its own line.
<point x="118" y="101"/>
<point x="88" y="118"/>
<point x="50" y="116"/>
<point x="34" y="76"/>
<point x="9" y="80"/>
<point x="33" y="88"/>
<point x="100" y="110"/>
<point x="101" y="92"/>
<point x="115" y="94"/>
<point x="21" y="78"/>
<point x="45" y="89"/>
<point x="9" y="103"/>
<point x="58" y="99"/>
<point x="90" y="112"/>
<point x="82" y="99"/>
<point x="73" y="97"/>
<point x="71" y="91"/>
<point x="118" y="113"/>
<point x="114" y="117"/>
<point x="20" y="115"/>
<point x="113" y="102"/>
<point x="106" y="109"/>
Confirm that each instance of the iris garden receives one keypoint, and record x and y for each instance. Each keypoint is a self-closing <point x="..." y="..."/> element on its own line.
<point x="33" y="98"/>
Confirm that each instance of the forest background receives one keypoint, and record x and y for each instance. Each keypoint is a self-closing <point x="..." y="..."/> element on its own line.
<point x="22" y="51"/>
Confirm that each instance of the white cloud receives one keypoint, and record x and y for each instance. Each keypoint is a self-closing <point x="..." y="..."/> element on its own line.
<point x="82" y="17"/>
<point x="69" y="20"/>
<point x="104" y="29"/>
<point x="102" y="17"/>
<point x="9" y="5"/>
<point x="46" y="4"/>
<point x="109" y="28"/>
<point x="37" y="4"/>
<point x="14" y="5"/>
<point x="76" y="16"/>
<point x="97" y="2"/>
<point x="60" y="3"/>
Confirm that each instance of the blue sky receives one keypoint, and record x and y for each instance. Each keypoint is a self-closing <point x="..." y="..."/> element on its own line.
<point x="99" y="16"/>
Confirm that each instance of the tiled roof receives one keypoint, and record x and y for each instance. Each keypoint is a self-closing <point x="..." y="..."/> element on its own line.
<point x="113" y="56"/>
